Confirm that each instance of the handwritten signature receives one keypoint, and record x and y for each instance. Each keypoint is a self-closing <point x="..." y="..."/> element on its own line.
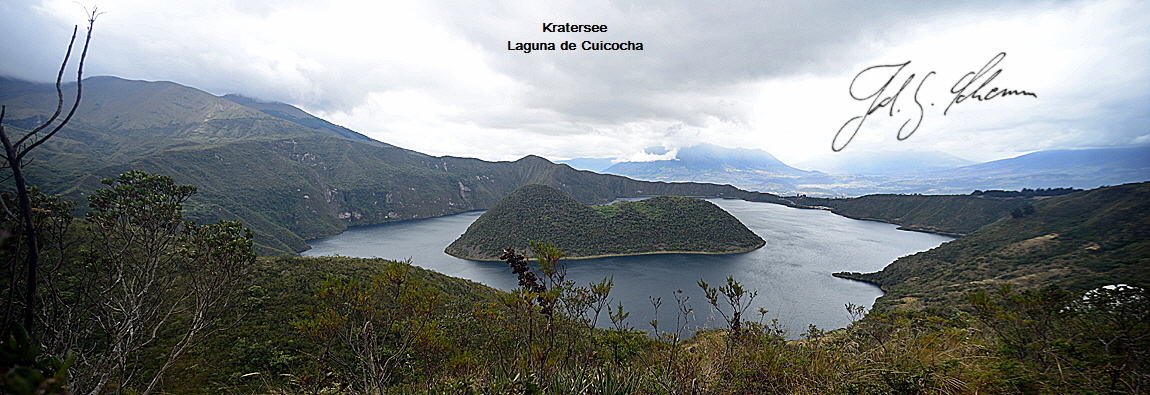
<point x="962" y="90"/>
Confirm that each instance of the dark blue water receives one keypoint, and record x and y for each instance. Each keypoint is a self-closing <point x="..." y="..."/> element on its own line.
<point x="792" y="273"/>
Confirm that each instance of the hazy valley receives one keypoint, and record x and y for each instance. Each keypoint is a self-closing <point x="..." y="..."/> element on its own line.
<point x="851" y="173"/>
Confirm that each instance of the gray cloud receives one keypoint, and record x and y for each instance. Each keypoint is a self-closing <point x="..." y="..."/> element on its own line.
<point x="708" y="72"/>
<point x="690" y="47"/>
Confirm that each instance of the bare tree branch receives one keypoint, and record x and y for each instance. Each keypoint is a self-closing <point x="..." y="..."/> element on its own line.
<point x="13" y="155"/>
<point x="79" y="82"/>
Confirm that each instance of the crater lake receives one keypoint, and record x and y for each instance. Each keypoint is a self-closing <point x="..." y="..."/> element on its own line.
<point x="791" y="273"/>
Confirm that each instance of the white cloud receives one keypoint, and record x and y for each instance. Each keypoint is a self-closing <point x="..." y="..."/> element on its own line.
<point x="437" y="77"/>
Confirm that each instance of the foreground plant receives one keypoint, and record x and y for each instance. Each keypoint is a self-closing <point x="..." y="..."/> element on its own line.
<point x="374" y="328"/>
<point x="149" y="275"/>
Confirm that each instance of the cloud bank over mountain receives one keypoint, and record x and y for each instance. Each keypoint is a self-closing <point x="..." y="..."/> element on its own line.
<point x="438" y="77"/>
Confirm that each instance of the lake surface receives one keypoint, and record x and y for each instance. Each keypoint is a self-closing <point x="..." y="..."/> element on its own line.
<point x="792" y="273"/>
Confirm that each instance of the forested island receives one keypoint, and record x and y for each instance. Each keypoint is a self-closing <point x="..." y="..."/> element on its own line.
<point x="664" y="224"/>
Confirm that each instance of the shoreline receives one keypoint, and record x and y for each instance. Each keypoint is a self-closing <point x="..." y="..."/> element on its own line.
<point x="854" y="276"/>
<point x="788" y="203"/>
<point x="575" y="258"/>
<point x="900" y="226"/>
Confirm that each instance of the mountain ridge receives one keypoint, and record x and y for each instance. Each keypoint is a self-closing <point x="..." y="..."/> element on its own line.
<point x="753" y="169"/>
<point x="294" y="114"/>
<point x="289" y="181"/>
<point x="883" y="163"/>
<point x="1077" y="241"/>
<point x="902" y="172"/>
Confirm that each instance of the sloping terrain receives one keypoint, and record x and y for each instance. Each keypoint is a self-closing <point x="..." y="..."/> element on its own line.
<point x="953" y="215"/>
<point x="1077" y="241"/>
<point x="291" y="176"/>
<point x="291" y="113"/>
<point x="286" y="174"/>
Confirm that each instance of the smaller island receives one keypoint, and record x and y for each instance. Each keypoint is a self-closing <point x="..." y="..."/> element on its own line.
<point x="659" y="225"/>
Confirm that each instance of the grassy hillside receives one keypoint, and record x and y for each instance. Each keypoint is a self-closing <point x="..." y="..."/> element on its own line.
<point x="295" y="189"/>
<point x="661" y="224"/>
<point x="291" y="113"/>
<point x="120" y="121"/>
<point x="489" y="348"/>
<point x="279" y="291"/>
<point x="954" y="215"/>
<point x="1078" y="241"/>
<point x="288" y="175"/>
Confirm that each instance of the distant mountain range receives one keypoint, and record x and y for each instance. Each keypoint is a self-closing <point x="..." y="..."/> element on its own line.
<point x="854" y="174"/>
<point x="753" y="169"/>
<point x="883" y="163"/>
<point x="1085" y="169"/>
<point x="597" y="165"/>
<point x="291" y="176"/>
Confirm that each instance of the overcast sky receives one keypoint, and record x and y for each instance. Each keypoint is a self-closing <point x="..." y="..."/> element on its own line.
<point x="437" y="77"/>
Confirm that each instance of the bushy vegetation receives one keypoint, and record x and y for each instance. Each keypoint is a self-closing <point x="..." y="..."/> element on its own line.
<point x="954" y="215"/>
<point x="1092" y="342"/>
<point x="1078" y="241"/>
<point x="659" y="224"/>
<point x="1025" y="192"/>
<point x="339" y="325"/>
<point x="139" y="301"/>
<point x="546" y="342"/>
